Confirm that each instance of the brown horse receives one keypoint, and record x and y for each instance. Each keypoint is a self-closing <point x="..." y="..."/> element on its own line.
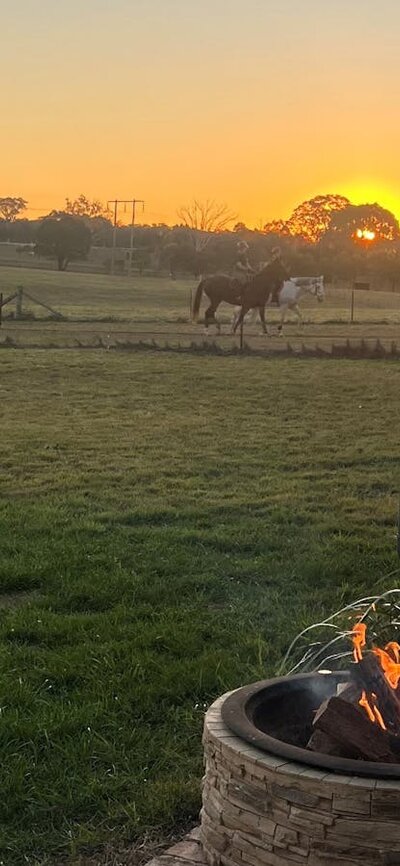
<point x="253" y="294"/>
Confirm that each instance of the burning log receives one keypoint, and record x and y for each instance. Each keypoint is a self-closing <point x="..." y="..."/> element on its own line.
<point x="327" y="745"/>
<point x="363" y="720"/>
<point x="346" y="726"/>
<point x="369" y="676"/>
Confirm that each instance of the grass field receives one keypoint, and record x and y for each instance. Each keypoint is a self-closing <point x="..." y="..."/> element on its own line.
<point x="168" y="523"/>
<point x="145" y="303"/>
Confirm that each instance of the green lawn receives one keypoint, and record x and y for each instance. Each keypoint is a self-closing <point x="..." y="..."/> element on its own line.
<point x="97" y="296"/>
<point x="153" y="300"/>
<point x="168" y="523"/>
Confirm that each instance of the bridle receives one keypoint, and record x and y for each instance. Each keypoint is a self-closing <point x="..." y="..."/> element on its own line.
<point x="316" y="288"/>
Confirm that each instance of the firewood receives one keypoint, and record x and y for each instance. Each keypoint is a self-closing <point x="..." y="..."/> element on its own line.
<point x="348" y="692"/>
<point x="369" y="676"/>
<point x="327" y="745"/>
<point x="349" y="726"/>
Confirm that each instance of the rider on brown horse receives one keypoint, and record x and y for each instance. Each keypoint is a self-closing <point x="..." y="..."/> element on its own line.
<point x="243" y="268"/>
<point x="252" y="292"/>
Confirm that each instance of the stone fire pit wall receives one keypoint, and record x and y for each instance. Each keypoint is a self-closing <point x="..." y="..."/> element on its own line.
<point x="259" y="810"/>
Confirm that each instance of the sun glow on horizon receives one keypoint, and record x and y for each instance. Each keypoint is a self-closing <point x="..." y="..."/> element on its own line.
<point x="368" y="192"/>
<point x="199" y="108"/>
<point x="365" y="234"/>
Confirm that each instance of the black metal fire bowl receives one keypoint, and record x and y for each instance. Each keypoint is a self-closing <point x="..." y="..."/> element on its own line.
<point x="276" y="717"/>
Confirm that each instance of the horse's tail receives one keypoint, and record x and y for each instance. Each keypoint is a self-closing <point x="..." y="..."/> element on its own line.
<point x="197" y="301"/>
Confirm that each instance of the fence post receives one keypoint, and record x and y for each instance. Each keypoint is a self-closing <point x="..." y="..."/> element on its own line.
<point x="241" y="336"/>
<point x="1" y="309"/>
<point x="352" y="307"/>
<point x="18" y="302"/>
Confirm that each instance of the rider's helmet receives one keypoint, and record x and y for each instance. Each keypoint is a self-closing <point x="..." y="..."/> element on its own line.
<point x="276" y="253"/>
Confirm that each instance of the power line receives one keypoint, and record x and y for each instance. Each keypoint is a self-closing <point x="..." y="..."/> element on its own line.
<point x="132" y="202"/>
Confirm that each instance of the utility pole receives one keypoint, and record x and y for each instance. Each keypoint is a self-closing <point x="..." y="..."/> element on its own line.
<point x="125" y="202"/>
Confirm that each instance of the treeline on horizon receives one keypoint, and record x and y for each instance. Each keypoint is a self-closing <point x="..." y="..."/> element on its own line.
<point x="325" y="235"/>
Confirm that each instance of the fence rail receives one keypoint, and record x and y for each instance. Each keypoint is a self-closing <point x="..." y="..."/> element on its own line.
<point x="73" y="298"/>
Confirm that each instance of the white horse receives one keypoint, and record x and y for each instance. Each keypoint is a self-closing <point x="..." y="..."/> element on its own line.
<point x="289" y="296"/>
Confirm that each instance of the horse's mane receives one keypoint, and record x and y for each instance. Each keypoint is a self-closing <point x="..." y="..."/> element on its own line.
<point x="275" y="269"/>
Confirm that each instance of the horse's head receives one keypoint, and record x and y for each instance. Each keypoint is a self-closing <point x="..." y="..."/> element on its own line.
<point x="311" y="285"/>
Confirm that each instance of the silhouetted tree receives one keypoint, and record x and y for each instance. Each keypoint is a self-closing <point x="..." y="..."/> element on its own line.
<point x="63" y="237"/>
<point x="311" y="219"/>
<point x="11" y="207"/>
<point x="352" y="222"/>
<point x="204" y="218"/>
<point x="82" y="206"/>
<point x="277" y="227"/>
<point x="201" y="221"/>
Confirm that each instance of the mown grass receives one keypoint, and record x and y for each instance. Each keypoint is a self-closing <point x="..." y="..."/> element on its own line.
<point x="154" y="300"/>
<point x="177" y="520"/>
<point x="100" y="296"/>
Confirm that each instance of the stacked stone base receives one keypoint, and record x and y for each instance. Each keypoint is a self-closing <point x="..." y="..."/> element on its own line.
<point x="261" y="810"/>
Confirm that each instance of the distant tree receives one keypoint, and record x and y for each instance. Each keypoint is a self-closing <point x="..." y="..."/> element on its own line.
<point x="10" y="208"/>
<point x="203" y="219"/>
<point x="83" y="207"/>
<point x="101" y="229"/>
<point x="64" y="237"/>
<point x="311" y="219"/>
<point x="364" y="223"/>
<point x="277" y="227"/>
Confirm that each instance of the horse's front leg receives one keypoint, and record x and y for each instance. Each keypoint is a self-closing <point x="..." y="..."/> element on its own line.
<point x="239" y="321"/>
<point x="235" y="316"/>
<point x="261" y="311"/>
<point x="284" y="310"/>
<point x="298" y="314"/>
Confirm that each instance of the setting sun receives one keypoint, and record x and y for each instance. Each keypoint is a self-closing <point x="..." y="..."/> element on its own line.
<point x="365" y="234"/>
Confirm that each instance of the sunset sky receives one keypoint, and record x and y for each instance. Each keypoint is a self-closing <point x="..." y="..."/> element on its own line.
<point x="256" y="103"/>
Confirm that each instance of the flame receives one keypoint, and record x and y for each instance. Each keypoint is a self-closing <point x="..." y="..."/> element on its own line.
<point x="373" y="711"/>
<point x="388" y="657"/>
<point x="394" y="648"/>
<point x="359" y="640"/>
<point x="363" y="702"/>
<point x="390" y="667"/>
<point x="390" y="663"/>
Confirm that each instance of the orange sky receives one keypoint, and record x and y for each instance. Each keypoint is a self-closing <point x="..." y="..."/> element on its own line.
<point x="259" y="104"/>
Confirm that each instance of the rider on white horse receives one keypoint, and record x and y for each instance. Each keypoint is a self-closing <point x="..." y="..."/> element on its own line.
<point x="276" y="256"/>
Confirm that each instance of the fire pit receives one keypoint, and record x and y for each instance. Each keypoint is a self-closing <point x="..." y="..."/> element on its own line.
<point x="267" y="799"/>
<point x="277" y="715"/>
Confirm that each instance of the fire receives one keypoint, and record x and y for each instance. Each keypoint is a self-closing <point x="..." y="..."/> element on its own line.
<point x="359" y="640"/>
<point x="390" y="666"/>
<point x="373" y="712"/>
<point x="389" y="658"/>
